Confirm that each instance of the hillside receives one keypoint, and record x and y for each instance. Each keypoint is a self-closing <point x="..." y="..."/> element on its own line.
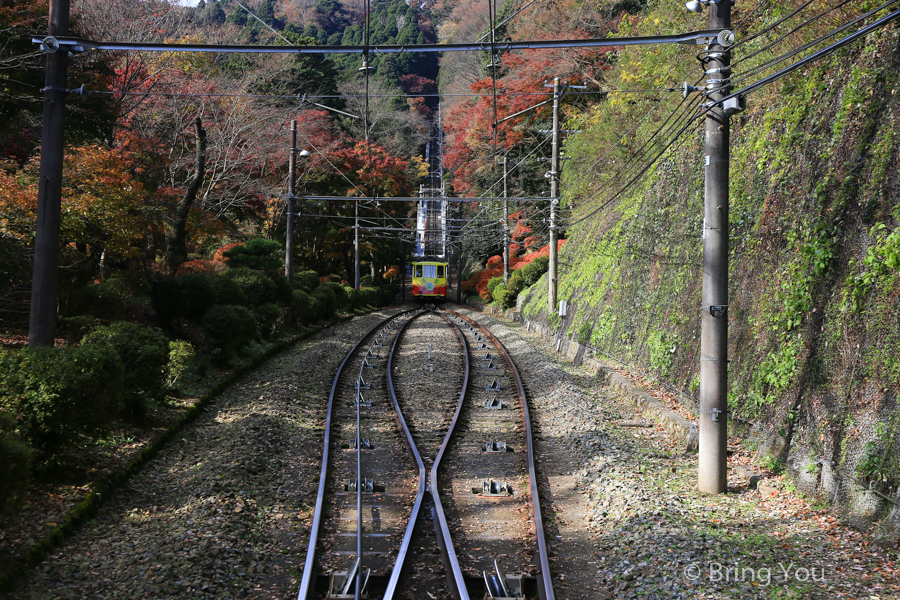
<point x="815" y="261"/>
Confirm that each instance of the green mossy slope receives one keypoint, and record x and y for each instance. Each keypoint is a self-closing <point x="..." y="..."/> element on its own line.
<point x="815" y="254"/>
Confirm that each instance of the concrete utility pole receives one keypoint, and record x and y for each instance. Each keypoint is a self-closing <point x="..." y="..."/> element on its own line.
<point x="356" y="248"/>
<point x="711" y="475"/>
<point x="42" y="323"/>
<point x="554" y="188"/>
<point x="292" y="173"/>
<point x="506" y="257"/>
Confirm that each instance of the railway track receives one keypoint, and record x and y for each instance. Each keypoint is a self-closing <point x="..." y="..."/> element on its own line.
<point x="427" y="486"/>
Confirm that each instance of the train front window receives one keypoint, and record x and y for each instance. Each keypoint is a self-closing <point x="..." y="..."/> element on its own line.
<point x="418" y="270"/>
<point x="440" y="271"/>
<point x="429" y="271"/>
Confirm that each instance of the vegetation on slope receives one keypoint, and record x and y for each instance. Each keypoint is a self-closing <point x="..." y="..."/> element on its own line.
<point x="815" y="210"/>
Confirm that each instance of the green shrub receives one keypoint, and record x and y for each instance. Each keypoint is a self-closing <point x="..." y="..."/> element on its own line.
<point x="315" y="308"/>
<point x="533" y="271"/>
<point x="268" y="316"/>
<point x="492" y="285"/>
<point x="353" y="298"/>
<point x="257" y="254"/>
<point x="229" y="292"/>
<point x="504" y="296"/>
<point x="283" y="291"/>
<point x="56" y="394"/>
<point x="144" y="354"/>
<point x="370" y="296"/>
<point x="188" y="295"/>
<point x="327" y="302"/>
<point x="301" y="307"/>
<point x="258" y="288"/>
<point x="181" y="355"/>
<point x="340" y="293"/>
<point x="228" y="329"/>
<point x="389" y="292"/>
<point x="306" y="281"/>
<point x="15" y="465"/>
<point x="516" y="282"/>
<point x="75" y="328"/>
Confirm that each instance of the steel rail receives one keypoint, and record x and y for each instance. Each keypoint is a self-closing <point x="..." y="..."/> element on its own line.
<point x="455" y="578"/>
<point x="306" y="582"/>
<point x="77" y="44"/>
<point x="420" y="466"/>
<point x="545" y="584"/>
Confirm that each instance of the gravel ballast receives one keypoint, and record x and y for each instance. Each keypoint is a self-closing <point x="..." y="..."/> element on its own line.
<point x="223" y="511"/>
<point x="626" y="521"/>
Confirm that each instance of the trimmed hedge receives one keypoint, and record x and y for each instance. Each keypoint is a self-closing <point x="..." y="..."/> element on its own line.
<point x="302" y="307"/>
<point x="15" y="465"/>
<point x="144" y="355"/>
<point x="327" y="301"/>
<point x="229" y="329"/>
<point x="306" y="281"/>
<point x="59" y="393"/>
<point x="258" y="288"/>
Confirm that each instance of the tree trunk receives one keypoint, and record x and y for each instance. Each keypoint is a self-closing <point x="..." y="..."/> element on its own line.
<point x="176" y="233"/>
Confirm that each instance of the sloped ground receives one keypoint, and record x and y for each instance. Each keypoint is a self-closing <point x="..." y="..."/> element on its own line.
<point x="223" y="511"/>
<point x="627" y="522"/>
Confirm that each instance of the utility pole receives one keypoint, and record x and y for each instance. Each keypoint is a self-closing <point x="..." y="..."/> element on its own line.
<point x="506" y="257"/>
<point x="289" y="242"/>
<point x="42" y="323"/>
<point x="356" y="248"/>
<point x="554" y="188"/>
<point x="713" y="442"/>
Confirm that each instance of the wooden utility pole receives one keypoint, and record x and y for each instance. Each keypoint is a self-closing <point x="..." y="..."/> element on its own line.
<point x="42" y="322"/>
<point x="291" y="207"/>
<point x="713" y="430"/>
<point x="554" y="190"/>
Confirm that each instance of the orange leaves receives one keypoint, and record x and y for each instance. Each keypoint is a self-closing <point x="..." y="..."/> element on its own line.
<point x="101" y="201"/>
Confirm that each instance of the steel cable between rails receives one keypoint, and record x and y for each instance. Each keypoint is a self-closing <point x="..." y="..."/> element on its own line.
<point x="420" y="465"/>
<point x="306" y="586"/>
<point x="443" y="528"/>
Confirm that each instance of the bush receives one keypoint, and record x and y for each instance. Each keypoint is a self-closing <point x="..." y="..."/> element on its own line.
<point x="181" y="355"/>
<point x="77" y="327"/>
<point x="268" y="316"/>
<point x="370" y="296"/>
<point x="188" y="295"/>
<point x="492" y="284"/>
<point x="340" y="294"/>
<point x="258" y="254"/>
<point x="302" y="307"/>
<point x="327" y="302"/>
<point x="15" y="465"/>
<point x="283" y="291"/>
<point x="144" y="355"/>
<point x="534" y="270"/>
<point x="228" y="291"/>
<point x="353" y="298"/>
<point x="504" y="296"/>
<point x="389" y="292"/>
<point x="315" y="308"/>
<point x="229" y="328"/>
<point x="516" y="282"/>
<point x="257" y="287"/>
<point x="306" y="281"/>
<point x="56" y="394"/>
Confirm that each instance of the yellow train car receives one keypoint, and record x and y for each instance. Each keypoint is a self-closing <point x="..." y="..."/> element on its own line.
<point x="429" y="279"/>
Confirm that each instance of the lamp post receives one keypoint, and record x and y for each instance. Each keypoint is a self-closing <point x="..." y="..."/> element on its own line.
<point x="291" y="205"/>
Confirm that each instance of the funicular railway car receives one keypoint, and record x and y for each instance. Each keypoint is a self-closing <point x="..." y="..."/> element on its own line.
<point x="429" y="279"/>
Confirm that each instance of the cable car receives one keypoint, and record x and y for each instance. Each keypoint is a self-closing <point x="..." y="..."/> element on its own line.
<point x="429" y="279"/>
